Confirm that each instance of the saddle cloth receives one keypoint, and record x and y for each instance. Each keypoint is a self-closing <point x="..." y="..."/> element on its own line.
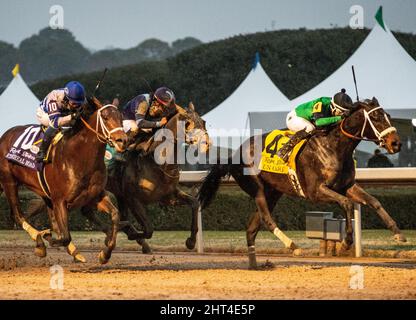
<point x="269" y="159"/>
<point x="26" y="146"/>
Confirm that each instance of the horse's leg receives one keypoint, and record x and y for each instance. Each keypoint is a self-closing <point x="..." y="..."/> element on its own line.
<point x="105" y="205"/>
<point x="328" y="195"/>
<point x="185" y="198"/>
<point x="254" y="225"/>
<point x="138" y="211"/>
<point x="11" y="193"/>
<point x="127" y="227"/>
<point x="89" y="213"/>
<point x="270" y="224"/>
<point x="253" y="228"/>
<point x="357" y="194"/>
<point x="59" y="218"/>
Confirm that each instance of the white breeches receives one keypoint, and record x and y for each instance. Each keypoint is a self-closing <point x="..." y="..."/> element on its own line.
<point x="129" y="125"/>
<point x="42" y="116"/>
<point x="295" y="123"/>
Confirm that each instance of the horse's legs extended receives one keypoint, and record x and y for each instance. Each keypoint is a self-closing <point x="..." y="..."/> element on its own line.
<point x="105" y="205"/>
<point x="254" y="225"/>
<point x="357" y="194"/>
<point x="11" y="193"/>
<point x="328" y="195"/>
<point x="185" y="198"/>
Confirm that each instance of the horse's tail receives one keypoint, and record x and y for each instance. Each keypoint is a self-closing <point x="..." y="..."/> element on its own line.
<point x="211" y="183"/>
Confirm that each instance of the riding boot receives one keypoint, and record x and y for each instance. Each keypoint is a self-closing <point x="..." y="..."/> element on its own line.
<point x="287" y="148"/>
<point x="49" y="134"/>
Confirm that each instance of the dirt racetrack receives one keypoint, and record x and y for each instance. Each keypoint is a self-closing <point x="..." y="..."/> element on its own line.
<point x="132" y="275"/>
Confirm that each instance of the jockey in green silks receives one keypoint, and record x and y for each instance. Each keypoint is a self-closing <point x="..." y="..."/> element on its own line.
<point x="314" y="114"/>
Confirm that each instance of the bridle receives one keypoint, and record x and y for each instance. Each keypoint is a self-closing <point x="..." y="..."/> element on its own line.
<point x="367" y="120"/>
<point x="105" y="135"/>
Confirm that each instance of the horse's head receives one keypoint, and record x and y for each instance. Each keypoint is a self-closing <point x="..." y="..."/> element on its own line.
<point x="108" y="124"/>
<point x="195" y="131"/>
<point x="369" y="121"/>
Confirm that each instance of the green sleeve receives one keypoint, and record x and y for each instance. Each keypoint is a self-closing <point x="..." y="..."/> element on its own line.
<point x="327" y="121"/>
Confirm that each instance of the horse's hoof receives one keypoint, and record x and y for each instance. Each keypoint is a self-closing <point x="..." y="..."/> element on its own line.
<point x="79" y="258"/>
<point x="146" y="248"/>
<point x="190" y="243"/>
<point x="398" y="237"/>
<point x="297" y="252"/>
<point x="345" y="246"/>
<point x="102" y="257"/>
<point x="40" y="252"/>
<point x="252" y="261"/>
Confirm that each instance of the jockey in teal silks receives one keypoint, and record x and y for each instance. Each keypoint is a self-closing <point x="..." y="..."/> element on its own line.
<point x="314" y="114"/>
<point x="57" y="110"/>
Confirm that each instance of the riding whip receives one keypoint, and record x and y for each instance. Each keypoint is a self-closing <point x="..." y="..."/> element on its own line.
<point x="355" y="82"/>
<point x="99" y="82"/>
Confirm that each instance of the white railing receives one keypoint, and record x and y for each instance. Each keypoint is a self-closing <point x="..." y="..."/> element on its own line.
<point x="364" y="176"/>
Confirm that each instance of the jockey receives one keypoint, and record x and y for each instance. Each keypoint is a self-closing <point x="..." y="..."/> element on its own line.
<point x="147" y="112"/>
<point x="319" y="113"/>
<point x="58" y="109"/>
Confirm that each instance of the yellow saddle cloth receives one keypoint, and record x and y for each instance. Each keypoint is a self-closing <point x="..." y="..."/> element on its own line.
<point x="270" y="161"/>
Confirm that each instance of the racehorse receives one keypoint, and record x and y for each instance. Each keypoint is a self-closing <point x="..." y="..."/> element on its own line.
<point x="76" y="177"/>
<point x="142" y="181"/>
<point x="325" y="169"/>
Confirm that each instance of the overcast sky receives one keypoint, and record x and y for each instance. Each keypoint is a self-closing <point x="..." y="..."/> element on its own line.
<point x="98" y="24"/>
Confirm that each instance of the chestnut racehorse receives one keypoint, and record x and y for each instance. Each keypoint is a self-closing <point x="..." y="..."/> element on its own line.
<point x="76" y="177"/>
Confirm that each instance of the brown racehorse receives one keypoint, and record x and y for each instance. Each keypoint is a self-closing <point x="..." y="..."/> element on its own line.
<point x="76" y="177"/>
<point x="325" y="169"/>
<point x="142" y="181"/>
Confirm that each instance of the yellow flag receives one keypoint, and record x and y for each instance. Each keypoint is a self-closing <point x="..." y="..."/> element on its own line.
<point x="15" y="70"/>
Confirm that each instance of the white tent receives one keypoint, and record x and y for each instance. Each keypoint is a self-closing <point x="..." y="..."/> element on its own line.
<point x="17" y="105"/>
<point x="383" y="69"/>
<point x="230" y="119"/>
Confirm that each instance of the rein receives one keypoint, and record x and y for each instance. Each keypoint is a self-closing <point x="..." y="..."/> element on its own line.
<point x="105" y="136"/>
<point x="367" y="120"/>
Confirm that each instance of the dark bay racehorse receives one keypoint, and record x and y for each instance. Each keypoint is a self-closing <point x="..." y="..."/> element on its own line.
<point x="142" y="181"/>
<point x="325" y="169"/>
<point x="76" y="177"/>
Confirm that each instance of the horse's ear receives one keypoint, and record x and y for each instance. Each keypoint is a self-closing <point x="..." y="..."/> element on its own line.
<point x="191" y="106"/>
<point x="94" y="102"/>
<point x="375" y="101"/>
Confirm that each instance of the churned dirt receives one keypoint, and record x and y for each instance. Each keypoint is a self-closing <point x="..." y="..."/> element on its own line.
<point x="132" y="275"/>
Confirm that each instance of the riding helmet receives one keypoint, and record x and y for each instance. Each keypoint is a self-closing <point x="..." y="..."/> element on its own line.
<point x="343" y="100"/>
<point x="165" y="96"/>
<point x="75" y="92"/>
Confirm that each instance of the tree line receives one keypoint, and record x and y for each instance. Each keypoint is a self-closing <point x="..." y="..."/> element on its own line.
<point x="295" y="60"/>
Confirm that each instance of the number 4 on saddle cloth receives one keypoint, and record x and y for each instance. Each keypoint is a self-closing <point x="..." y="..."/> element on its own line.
<point x="271" y="162"/>
<point x="26" y="146"/>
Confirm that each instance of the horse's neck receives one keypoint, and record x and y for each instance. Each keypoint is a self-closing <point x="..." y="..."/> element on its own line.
<point x="172" y="126"/>
<point x="341" y="146"/>
<point x="84" y="143"/>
